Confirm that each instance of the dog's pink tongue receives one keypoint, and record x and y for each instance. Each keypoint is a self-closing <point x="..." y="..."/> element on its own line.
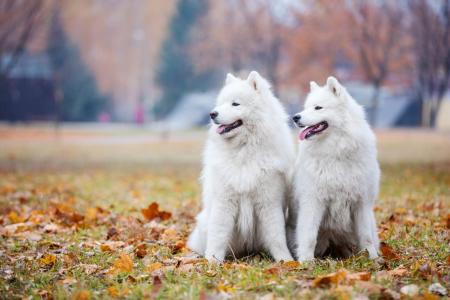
<point x="220" y="129"/>
<point x="305" y="131"/>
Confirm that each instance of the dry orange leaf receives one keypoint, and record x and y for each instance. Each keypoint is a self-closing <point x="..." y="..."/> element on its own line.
<point x="359" y="276"/>
<point x="82" y="295"/>
<point x="48" y="259"/>
<point x="123" y="264"/>
<point x="105" y="248"/>
<point x="153" y="267"/>
<point x="290" y="265"/>
<point x="153" y="212"/>
<point x="388" y="252"/>
<point x="113" y="291"/>
<point x="332" y="278"/>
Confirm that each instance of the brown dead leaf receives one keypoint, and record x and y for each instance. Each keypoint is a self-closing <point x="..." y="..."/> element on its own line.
<point x="48" y="259"/>
<point x="123" y="264"/>
<point x="387" y="252"/>
<point x="332" y="278"/>
<point x="153" y="212"/>
<point x="112" y="233"/>
<point x="141" y="250"/>
<point x="170" y="235"/>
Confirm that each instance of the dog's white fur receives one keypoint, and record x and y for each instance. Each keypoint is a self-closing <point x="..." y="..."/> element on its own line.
<point x="245" y="175"/>
<point x="336" y="177"/>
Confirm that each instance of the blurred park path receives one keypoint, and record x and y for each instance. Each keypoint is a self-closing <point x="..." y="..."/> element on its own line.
<point x="112" y="146"/>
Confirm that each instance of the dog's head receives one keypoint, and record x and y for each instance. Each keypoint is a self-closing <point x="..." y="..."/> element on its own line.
<point x="239" y="105"/>
<point x="324" y="109"/>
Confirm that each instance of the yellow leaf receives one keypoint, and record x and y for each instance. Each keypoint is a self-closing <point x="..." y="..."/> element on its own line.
<point x="91" y="214"/>
<point x="153" y="267"/>
<point x="15" y="218"/>
<point x="170" y="234"/>
<point x="123" y="264"/>
<point x="48" y="259"/>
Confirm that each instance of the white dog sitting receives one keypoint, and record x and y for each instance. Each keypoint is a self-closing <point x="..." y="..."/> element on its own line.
<point x="245" y="176"/>
<point x="337" y="176"/>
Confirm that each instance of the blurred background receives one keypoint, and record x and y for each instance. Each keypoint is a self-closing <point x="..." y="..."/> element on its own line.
<point x="161" y="63"/>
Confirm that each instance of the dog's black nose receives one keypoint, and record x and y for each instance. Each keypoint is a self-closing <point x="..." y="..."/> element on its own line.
<point x="213" y="114"/>
<point x="296" y="118"/>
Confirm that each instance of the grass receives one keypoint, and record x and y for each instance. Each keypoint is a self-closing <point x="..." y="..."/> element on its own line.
<point x="47" y="182"/>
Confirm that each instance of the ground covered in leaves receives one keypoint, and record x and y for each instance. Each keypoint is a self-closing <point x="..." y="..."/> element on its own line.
<point x="95" y="214"/>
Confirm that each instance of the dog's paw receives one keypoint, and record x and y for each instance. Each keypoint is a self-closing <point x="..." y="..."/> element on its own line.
<point x="305" y="257"/>
<point x="213" y="260"/>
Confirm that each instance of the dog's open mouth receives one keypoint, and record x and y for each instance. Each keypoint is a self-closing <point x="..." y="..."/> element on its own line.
<point x="313" y="130"/>
<point x="224" y="128"/>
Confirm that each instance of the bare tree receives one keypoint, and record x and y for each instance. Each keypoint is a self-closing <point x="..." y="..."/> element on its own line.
<point x="430" y="29"/>
<point x="377" y="29"/>
<point x="18" y="23"/>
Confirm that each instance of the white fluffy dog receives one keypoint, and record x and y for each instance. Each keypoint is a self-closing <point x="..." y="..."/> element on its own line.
<point x="245" y="175"/>
<point x="336" y="176"/>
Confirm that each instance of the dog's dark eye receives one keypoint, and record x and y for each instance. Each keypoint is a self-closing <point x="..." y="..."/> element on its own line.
<point x="235" y="104"/>
<point x="318" y="107"/>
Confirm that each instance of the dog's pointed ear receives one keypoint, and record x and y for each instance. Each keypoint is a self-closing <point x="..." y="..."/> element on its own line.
<point x="313" y="86"/>
<point x="230" y="78"/>
<point x="334" y="86"/>
<point x="254" y="79"/>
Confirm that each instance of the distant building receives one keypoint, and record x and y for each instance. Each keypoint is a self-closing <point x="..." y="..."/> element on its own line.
<point x="27" y="93"/>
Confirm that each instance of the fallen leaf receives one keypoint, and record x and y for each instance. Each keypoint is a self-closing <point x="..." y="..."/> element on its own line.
<point x="112" y="233"/>
<point x="153" y="212"/>
<point x="48" y="259"/>
<point x="169" y="235"/>
<point x="123" y="264"/>
<point x="113" y="291"/>
<point x="398" y="272"/>
<point x="332" y="278"/>
<point x="15" y="218"/>
<point x="141" y="250"/>
<point x="359" y="276"/>
<point x="153" y="267"/>
<point x="290" y="265"/>
<point x="82" y="295"/>
<point x="387" y="252"/>
<point x="105" y="248"/>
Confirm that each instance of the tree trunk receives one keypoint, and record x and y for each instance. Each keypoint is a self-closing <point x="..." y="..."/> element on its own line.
<point x="374" y="102"/>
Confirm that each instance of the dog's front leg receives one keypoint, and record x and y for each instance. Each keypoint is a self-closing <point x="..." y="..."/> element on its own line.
<point x="273" y="232"/>
<point x="220" y="230"/>
<point x="366" y="229"/>
<point x="309" y="218"/>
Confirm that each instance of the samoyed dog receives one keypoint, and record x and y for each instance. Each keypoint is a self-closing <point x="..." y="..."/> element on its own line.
<point x="245" y="176"/>
<point x="336" y="176"/>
